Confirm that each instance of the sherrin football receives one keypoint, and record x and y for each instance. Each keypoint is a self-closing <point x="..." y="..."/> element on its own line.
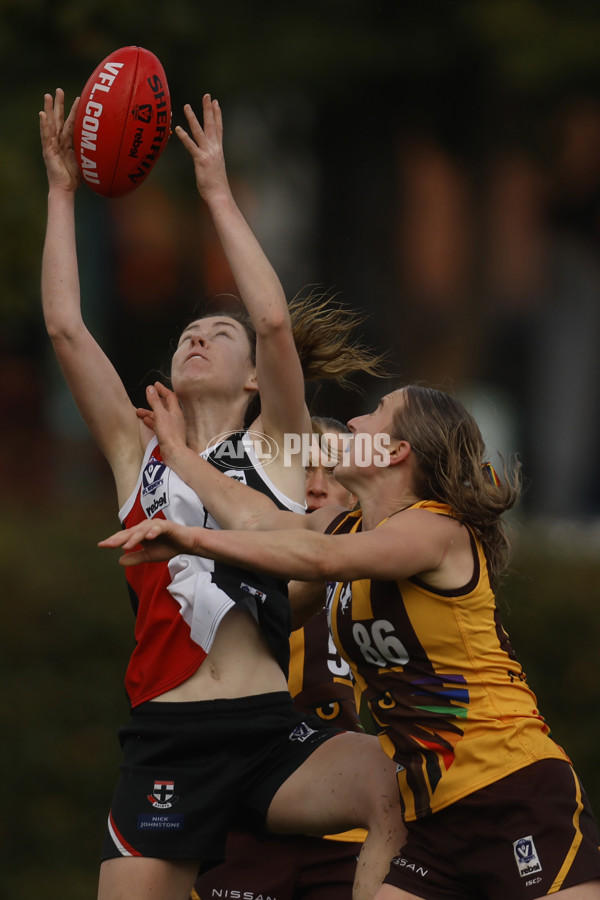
<point x="123" y="121"/>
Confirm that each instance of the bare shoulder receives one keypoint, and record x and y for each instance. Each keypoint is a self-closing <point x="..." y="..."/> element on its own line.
<point x="426" y="520"/>
<point x="448" y="541"/>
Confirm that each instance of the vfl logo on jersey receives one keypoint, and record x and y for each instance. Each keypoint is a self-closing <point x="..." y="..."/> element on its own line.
<point x="153" y="495"/>
<point x="526" y="856"/>
<point x="163" y="795"/>
<point x="302" y="732"/>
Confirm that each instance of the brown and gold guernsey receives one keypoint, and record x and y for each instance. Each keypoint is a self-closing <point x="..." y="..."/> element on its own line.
<point x="441" y="680"/>
<point x="320" y="682"/>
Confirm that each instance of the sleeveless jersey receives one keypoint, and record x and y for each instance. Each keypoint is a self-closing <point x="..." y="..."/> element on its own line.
<point x="179" y="604"/>
<point x="441" y="680"/>
<point x="321" y="682"/>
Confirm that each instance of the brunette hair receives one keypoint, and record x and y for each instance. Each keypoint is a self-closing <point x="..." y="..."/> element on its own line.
<point x="328" y="425"/>
<point x="450" y="468"/>
<point x="323" y="332"/>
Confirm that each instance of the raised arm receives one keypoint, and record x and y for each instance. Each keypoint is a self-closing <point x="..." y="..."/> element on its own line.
<point x="279" y="373"/>
<point x="95" y="385"/>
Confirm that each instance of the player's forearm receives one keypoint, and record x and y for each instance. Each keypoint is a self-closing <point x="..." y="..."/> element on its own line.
<point x="256" y="280"/>
<point x="310" y="555"/>
<point x="232" y="504"/>
<point x="285" y="554"/>
<point x="60" y="275"/>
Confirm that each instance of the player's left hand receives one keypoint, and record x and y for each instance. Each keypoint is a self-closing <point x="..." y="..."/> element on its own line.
<point x="153" y="540"/>
<point x="205" y="146"/>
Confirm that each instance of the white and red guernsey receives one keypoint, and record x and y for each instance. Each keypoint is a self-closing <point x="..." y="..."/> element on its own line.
<point x="179" y="604"/>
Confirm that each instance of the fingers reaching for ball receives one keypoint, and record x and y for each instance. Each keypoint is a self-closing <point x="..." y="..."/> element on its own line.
<point x="57" y="142"/>
<point x="204" y="143"/>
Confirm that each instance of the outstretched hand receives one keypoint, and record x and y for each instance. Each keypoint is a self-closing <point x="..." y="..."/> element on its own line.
<point x="153" y="540"/>
<point x="57" y="142"/>
<point x="205" y="146"/>
<point x="164" y="417"/>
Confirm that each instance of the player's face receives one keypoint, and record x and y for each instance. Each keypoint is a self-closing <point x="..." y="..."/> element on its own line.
<point x="371" y="437"/>
<point x="213" y="353"/>
<point x="322" y="488"/>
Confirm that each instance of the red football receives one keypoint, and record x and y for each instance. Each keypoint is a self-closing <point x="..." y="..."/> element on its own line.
<point x="123" y="121"/>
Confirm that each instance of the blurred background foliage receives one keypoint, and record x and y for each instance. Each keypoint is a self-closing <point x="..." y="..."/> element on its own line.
<point x="437" y="163"/>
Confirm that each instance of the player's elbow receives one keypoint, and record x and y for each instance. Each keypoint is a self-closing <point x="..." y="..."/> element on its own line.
<point x="260" y="518"/>
<point x="62" y="332"/>
<point x="274" y="323"/>
<point x="251" y="521"/>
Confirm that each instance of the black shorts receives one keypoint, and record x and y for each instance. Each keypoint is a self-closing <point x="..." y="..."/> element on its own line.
<point x="520" y="837"/>
<point x="192" y="771"/>
<point x="285" y="868"/>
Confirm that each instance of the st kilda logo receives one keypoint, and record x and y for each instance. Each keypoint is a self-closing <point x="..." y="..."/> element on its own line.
<point x="163" y="795"/>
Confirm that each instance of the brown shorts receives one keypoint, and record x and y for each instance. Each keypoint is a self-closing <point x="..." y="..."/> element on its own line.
<point x="281" y="868"/>
<point x="521" y="837"/>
